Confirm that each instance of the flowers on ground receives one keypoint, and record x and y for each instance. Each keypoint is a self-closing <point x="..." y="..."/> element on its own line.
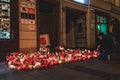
<point x="20" y="61"/>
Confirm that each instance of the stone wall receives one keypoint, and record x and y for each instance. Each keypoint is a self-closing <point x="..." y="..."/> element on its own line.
<point x="27" y="25"/>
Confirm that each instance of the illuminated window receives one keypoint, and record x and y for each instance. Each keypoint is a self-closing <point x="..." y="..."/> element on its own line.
<point x="82" y="1"/>
<point x="4" y="19"/>
<point x="101" y="24"/>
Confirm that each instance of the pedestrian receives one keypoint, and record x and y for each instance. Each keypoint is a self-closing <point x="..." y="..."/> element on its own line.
<point x="111" y="44"/>
<point x="103" y="46"/>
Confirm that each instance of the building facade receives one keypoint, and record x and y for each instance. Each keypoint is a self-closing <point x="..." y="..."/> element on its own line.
<point x="90" y="18"/>
<point x="70" y="23"/>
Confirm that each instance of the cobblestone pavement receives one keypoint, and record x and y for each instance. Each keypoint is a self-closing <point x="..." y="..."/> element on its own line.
<point x="83" y="70"/>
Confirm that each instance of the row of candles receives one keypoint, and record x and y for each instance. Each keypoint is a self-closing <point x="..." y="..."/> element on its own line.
<point x="45" y="58"/>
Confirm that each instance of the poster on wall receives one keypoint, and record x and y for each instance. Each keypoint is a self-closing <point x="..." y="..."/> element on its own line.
<point x="23" y="9"/>
<point x="23" y="4"/>
<point x="31" y="11"/>
<point x="31" y="22"/>
<point x="31" y="5"/>
<point x="32" y="1"/>
<point x="44" y="40"/>
<point x="27" y="12"/>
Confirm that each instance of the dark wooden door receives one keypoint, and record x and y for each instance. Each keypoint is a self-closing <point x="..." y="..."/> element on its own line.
<point x="48" y="21"/>
<point x="48" y="26"/>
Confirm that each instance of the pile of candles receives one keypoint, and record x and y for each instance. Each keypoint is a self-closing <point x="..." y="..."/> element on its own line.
<point x="45" y="58"/>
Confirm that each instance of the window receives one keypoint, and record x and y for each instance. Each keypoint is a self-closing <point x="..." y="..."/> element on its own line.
<point x="102" y="24"/>
<point x="4" y="19"/>
<point x="82" y="1"/>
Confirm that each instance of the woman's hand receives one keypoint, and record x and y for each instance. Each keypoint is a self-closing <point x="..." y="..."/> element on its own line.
<point x="98" y="47"/>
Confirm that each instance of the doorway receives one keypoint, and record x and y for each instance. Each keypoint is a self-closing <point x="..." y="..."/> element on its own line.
<point x="75" y="28"/>
<point x="101" y="26"/>
<point x="48" y="22"/>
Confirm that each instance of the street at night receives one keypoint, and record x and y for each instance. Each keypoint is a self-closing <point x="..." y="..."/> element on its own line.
<point x="59" y="39"/>
<point x="91" y="69"/>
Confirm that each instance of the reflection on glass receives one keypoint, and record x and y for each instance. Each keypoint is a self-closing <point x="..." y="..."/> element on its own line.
<point x="102" y="28"/>
<point x="4" y="19"/>
<point x="102" y="24"/>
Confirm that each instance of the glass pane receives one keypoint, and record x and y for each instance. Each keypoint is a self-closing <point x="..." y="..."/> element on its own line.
<point x="87" y="2"/>
<point x="5" y="19"/>
<point x="99" y="27"/>
<point x="101" y="19"/>
<point x="104" y="28"/>
<point x="6" y="0"/>
<point x="105" y="20"/>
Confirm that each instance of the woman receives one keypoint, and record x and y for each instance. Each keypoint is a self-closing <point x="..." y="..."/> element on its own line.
<point x="103" y="46"/>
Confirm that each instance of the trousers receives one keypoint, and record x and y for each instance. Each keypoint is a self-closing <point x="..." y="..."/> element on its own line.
<point x="103" y="55"/>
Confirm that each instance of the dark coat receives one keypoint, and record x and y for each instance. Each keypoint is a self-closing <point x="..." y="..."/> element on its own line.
<point x="106" y="43"/>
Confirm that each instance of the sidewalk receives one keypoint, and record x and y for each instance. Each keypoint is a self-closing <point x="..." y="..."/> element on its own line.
<point x="3" y="68"/>
<point x="82" y="70"/>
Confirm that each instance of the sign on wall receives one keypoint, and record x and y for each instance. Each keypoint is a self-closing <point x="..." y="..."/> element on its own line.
<point x="44" y="40"/>
<point x="28" y="13"/>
